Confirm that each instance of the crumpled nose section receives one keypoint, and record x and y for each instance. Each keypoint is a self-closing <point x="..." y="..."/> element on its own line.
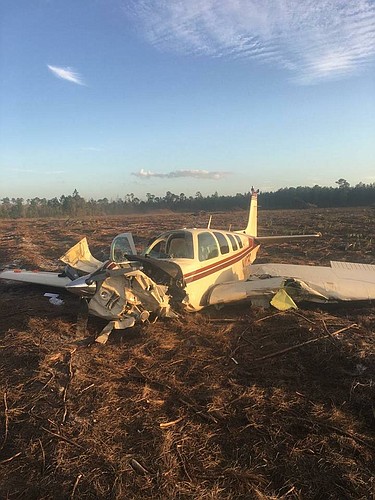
<point x="130" y="294"/>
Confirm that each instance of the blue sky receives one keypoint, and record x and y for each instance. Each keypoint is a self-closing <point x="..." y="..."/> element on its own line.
<point x="112" y="96"/>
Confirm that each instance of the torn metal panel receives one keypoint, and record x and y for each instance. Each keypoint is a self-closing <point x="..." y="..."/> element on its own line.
<point x="163" y="272"/>
<point x="54" y="299"/>
<point x="79" y="257"/>
<point x="283" y="301"/>
<point x="236" y="291"/>
<point x="117" y="325"/>
<point x="131" y="294"/>
<point x="81" y="286"/>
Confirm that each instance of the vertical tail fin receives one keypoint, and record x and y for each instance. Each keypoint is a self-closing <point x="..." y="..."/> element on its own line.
<point x="252" y="224"/>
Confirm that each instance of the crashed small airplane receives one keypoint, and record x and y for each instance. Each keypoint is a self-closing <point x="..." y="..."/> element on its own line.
<point x="193" y="269"/>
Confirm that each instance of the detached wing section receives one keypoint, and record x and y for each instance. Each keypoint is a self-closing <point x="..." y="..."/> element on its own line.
<point x="342" y="281"/>
<point x="76" y="258"/>
<point x="36" y="277"/>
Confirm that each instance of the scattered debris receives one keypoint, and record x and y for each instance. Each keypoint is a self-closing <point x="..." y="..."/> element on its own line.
<point x="102" y="338"/>
<point x="165" y="425"/>
<point x="54" y="299"/>
<point x="282" y="301"/>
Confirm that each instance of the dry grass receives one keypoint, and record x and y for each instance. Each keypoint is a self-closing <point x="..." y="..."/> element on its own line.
<point x="186" y="408"/>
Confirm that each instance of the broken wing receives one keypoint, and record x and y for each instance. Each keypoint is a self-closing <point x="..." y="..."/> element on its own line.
<point x="342" y="281"/>
<point x="76" y="258"/>
<point x="36" y="277"/>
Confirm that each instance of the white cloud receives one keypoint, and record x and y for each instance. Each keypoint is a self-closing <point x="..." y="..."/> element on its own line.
<point x="314" y="39"/>
<point x="66" y="74"/>
<point x="196" y="174"/>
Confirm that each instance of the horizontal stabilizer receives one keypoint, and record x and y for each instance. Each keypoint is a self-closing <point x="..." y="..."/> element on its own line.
<point x="264" y="240"/>
<point x="36" y="277"/>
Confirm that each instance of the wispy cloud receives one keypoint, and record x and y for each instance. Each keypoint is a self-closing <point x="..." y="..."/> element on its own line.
<point x="92" y="148"/>
<point x="196" y="174"/>
<point x="34" y="171"/>
<point x="314" y="39"/>
<point x="22" y="170"/>
<point x="66" y="74"/>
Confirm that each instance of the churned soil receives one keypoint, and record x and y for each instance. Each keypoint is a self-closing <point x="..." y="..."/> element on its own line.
<point x="236" y="403"/>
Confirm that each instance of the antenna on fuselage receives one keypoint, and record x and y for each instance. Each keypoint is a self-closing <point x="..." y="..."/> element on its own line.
<point x="209" y="222"/>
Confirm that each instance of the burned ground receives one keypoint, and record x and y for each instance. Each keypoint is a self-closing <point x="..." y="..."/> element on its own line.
<point x="215" y="405"/>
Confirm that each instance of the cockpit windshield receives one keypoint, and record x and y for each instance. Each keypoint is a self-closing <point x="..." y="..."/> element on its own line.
<point x="175" y="245"/>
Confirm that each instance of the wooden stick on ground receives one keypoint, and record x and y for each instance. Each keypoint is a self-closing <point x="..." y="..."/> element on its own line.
<point x="292" y="348"/>
<point x="63" y="438"/>
<point x="6" y="416"/>
<point x="183" y="462"/>
<point x="75" y="485"/>
<point x="303" y="317"/>
<point x="337" y="430"/>
<point x="11" y="458"/>
<point x="223" y="320"/>
<point x="137" y="467"/>
<point x="268" y="317"/>
<point x="334" y="342"/>
<point x="43" y="468"/>
<point x="165" y="425"/>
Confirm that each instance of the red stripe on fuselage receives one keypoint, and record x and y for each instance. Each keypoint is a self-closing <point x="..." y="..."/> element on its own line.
<point x="217" y="266"/>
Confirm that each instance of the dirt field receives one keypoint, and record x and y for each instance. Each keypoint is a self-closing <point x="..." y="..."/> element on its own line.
<point x="204" y="407"/>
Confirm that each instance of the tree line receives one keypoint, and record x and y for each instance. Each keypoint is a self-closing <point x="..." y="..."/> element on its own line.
<point x="343" y="195"/>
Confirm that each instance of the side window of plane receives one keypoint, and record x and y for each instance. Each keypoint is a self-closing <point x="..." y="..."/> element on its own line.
<point x="120" y="249"/>
<point x="239" y="241"/>
<point x="122" y="245"/>
<point x="223" y="242"/>
<point x="233" y="241"/>
<point x="207" y="247"/>
<point x="158" y="251"/>
<point x="180" y="245"/>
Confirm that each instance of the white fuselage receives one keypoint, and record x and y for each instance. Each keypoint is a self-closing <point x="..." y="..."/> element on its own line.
<point x="206" y="258"/>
